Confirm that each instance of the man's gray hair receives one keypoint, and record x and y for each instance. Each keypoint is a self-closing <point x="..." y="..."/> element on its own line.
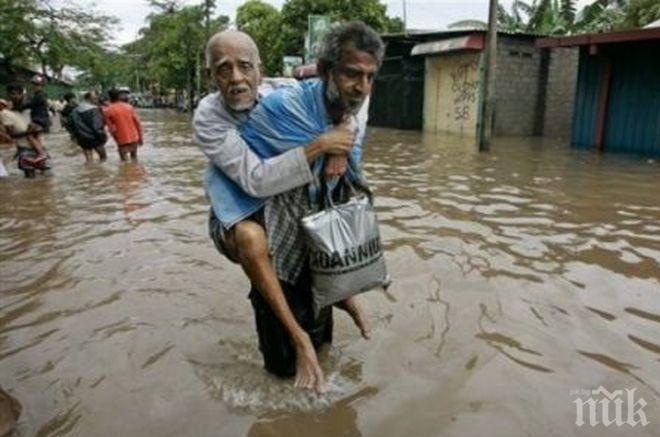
<point x="353" y="34"/>
<point x="236" y="34"/>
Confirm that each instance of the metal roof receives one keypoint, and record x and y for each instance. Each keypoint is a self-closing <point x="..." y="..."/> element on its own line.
<point x="467" y="42"/>
<point x="600" y="38"/>
<point x="656" y="23"/>
<point x="425" y="35"/>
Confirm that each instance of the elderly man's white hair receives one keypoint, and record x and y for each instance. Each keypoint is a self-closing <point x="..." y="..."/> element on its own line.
<point x="231" y="36"/>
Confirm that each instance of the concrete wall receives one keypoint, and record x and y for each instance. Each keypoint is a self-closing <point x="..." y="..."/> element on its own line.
<point x="534" y="95"/>
<point x="517" y="87"/>
<point x="560" y="93"/>
<point x="451" y="93"/>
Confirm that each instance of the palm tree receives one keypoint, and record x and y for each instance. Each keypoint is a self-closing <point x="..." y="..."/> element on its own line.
<point x="559" y="17"/>
<point x="544" y="16"/>
<point x="639" y="13"/>
<point x="601" y="16"/>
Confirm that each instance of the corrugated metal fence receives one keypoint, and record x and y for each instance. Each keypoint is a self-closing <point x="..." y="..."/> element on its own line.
<point x="632" y="119"/>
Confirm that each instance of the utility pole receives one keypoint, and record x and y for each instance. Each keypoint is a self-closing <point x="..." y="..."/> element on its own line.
<point x="487" y="102"/>
<point x="209" y="5"/>
<point x="405" y="17"/>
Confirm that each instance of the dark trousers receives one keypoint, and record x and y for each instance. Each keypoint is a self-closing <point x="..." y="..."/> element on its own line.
<point x="274" y="342"/>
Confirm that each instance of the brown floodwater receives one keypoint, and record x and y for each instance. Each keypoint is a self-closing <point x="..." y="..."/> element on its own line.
<point x="521" y="277"/>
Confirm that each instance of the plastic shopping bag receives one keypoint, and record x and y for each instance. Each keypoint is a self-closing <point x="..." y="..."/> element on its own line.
<point x="346" y="255"/>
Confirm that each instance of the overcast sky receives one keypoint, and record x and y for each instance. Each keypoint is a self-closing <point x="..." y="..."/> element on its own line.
<point x="421" y="14"/>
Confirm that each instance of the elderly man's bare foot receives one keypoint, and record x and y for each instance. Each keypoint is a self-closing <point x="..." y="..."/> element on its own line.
<point x="308" y="372"/>
<point x="353" y="308"/>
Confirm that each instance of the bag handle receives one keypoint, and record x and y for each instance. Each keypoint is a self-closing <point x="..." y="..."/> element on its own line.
<point x="328" y="191"/>
<point x="329" y="185"/>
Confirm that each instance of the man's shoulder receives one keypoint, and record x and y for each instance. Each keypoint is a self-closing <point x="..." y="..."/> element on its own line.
<point x="291" y="88"/>
<point x="118" y="108"/>
<point x="111" y="108"/>
<point x="209" y="101"/>
<point x="84" y="107"/>
<point x="288" y="97"/>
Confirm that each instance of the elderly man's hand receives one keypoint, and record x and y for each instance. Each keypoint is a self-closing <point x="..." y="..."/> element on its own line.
<point x="336" y="141"/>
<point x="335" y="166"/>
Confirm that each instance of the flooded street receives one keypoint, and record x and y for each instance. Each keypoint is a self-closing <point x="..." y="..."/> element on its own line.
<point x="522" y="277"/>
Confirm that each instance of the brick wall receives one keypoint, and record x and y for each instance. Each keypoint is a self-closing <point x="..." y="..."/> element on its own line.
<point x="560" y="92"/>
<point x="517" y="85"/>
<point x="534" y="91"/>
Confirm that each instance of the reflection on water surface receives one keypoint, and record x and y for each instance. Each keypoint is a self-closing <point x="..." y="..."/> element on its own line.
<point x="520" y="275"/>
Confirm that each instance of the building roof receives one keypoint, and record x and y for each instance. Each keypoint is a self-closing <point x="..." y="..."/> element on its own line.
<point x="652" y="33"/>
<point x="426" y="35"/>
<point x="656" y="23"/>
<point x="474" y="41"/>
<point x="460" y="40"/>
<point x="31" y="71"/>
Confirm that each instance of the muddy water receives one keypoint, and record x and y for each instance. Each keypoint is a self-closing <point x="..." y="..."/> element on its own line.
<point x="522" y="277"/>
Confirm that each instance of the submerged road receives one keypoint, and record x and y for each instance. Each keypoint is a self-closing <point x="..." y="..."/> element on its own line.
<point x="523" y="278"/>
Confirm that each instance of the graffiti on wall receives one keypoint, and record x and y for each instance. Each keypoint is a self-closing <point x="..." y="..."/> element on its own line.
<point x="464" y="88"/>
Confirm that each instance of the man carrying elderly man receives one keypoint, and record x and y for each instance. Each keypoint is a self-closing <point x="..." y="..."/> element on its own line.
<point x="258" y="195"/>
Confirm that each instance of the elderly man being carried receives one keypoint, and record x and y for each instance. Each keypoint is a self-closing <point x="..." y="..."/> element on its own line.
<point x="295" y="127"/>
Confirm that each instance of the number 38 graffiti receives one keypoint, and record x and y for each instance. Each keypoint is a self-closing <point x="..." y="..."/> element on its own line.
<point x="464" y="89"/>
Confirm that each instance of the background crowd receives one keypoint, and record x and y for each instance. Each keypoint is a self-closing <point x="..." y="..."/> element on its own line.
<point x="24" y="121"/>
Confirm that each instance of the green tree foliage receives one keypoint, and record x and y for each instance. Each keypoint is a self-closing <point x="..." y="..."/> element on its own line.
<point x="15" y="30"/>
<point x="106" y="69"/>
<point x="544" y="16"/>
<point x="263" y="22"/>
<point x="170" y="51"/>
<point x="568" y="10"/>
<point x="295" y="12"/>
<point x="601" y="16"/>
<point x="174" y="41"/>
<point x="554" y="17"/>
<point x="36" y="31"/>
<point x="394" y="25"/>
<point x="639" y="13"/>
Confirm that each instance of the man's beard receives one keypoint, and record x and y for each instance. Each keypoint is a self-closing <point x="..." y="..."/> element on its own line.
<point x="335" y="101"/>
<point x="240" y="106"/>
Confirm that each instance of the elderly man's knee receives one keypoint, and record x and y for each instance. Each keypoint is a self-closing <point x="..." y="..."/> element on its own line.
<point x="251" y="241"/>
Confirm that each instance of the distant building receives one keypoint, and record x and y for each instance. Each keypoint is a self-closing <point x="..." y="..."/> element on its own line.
<point x="431" y="80"/>
<point x="617" y="103"/>
<point x="54" y="87"/>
